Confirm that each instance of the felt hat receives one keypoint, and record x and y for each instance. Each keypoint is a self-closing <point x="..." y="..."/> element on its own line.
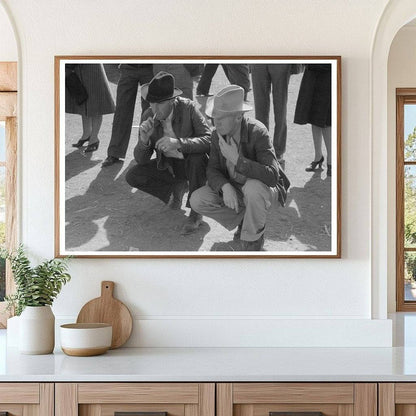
<point x="160" y="88"/>
<point x="229" y="100"/>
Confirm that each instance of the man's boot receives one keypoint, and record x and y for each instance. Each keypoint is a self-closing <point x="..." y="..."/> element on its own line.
<point x="179" y="191"/>
<point x="192" y="223"/>
<point x="237" y="234"/>
<point x="256" y="245"/>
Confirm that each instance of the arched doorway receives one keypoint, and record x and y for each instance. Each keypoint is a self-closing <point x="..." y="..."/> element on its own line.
<point x="8" y="148"/>
<point x="401" y="108"/>
<point x="396" y="14"/>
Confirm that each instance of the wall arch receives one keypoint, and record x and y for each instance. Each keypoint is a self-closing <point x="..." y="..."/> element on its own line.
<point x="9" y="48"/>
<point x="396" y="14"/>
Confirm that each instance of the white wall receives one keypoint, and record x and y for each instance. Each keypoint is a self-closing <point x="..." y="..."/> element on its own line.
<point x="401" y="74"/>
<point x="8" y="47"/>
<point x="179" y="302"/>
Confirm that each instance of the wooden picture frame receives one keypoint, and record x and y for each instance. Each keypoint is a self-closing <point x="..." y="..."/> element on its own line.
<point x="97" y="214"/>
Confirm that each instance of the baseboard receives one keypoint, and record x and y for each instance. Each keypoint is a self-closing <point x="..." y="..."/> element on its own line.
<point x="258" y="332"/>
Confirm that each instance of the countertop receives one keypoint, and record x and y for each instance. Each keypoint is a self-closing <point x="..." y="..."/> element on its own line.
<point x="222" y="364"/>
<point x="212" y="365"/>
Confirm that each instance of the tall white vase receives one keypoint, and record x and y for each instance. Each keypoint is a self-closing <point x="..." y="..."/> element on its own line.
<point x="13" y="331"/>
<point x="37" y="330"/>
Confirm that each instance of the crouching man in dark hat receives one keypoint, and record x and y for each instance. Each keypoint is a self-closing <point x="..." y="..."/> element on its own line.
<point x="243" y="171"/>
<point x="178" y="132"/>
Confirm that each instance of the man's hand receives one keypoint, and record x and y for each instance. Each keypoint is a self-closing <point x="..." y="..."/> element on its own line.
<point x="167" y="144"/>
<point x="229" y="195"/>
<point x="146" y="130"/>
<point x="229" y="151"/>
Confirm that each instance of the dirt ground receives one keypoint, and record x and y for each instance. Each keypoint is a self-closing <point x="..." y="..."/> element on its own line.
<point x="103" y="213"/>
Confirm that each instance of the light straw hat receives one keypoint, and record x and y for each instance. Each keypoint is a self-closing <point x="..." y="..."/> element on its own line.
<point x="229" y="100"/>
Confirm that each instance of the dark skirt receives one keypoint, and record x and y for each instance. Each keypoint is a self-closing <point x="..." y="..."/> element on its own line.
<point x="314" y="100"/>
<point x="99" y="100"/>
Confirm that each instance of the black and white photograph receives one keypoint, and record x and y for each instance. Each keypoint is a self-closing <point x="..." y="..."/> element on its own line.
<point x="198" y="157"/>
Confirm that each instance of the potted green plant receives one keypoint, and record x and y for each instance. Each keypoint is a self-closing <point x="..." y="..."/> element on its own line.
<point x="36" y="289"/>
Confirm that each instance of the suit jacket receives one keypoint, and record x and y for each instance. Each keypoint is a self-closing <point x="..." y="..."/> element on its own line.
<point x="189" y="126"/>
<point x="257" y="160"/>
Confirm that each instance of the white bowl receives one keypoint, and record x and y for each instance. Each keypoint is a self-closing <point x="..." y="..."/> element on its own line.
<point x="84" y="340"/>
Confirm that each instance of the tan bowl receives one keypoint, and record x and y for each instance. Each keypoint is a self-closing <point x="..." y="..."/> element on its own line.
<point x="83" y="340"/>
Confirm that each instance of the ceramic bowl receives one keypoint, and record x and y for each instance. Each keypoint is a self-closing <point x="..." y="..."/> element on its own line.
<point x="83" y="340"/>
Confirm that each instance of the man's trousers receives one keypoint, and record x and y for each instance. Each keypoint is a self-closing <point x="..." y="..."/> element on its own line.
<point x="130" y="78"/>
<point x="274" y="79"/>
<point x="255" y="199"/>
<point x="160" y="183"/>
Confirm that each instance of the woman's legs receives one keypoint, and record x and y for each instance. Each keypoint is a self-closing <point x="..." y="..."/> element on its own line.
<point x="326" y="133"/>
<point x="317" y="141"/>
<point x="90" y="128"/>
<point x="317" y="134"/>
<point x="86" y="127"/>
<point x="96" y="122"/>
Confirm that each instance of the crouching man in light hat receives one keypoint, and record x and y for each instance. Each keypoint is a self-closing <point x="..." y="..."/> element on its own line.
<point x="242" y="170"/>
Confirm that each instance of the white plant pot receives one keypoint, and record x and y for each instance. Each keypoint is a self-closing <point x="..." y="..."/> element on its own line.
<point x="37" y="330"/>
<point x="13" y="331"/>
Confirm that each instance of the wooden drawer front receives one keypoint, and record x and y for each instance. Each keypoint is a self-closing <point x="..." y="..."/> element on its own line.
<point x="19" y="393"/>
<point x="332" y="399"/>
<point x="138" y="393"/>
<point x="12" y="409"/>
<point x="110" y="409"/>
<point x="265" y="409"/>
<point x="405" y="393"/>
<point x="104" y="399"/>
<point x="293" y="393"/>
<point x="397" y="399"/>
<point x="27" y="399"/>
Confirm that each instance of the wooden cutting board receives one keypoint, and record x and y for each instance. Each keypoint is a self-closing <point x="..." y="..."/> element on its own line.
<point x="107" y="309"/>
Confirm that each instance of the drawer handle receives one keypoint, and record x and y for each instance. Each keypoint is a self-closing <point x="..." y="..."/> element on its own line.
<point x="139" y="414"/>
<point x="296" y="414"/>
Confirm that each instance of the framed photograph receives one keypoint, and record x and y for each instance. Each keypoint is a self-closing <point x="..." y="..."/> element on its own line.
<point x="194" y="156"/>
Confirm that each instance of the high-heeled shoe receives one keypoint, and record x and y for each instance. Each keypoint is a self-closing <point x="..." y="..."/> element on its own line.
<point x="92" y="147"/>
<point x="80" y="142"/>
<point x="314" y="164"/>
<point x="329" y="171"/>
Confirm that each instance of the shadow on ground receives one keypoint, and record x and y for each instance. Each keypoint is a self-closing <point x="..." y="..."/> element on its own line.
<point x="77" y="162"/>
<point x="131" y="220"/>
<point x="306" y="218"/>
